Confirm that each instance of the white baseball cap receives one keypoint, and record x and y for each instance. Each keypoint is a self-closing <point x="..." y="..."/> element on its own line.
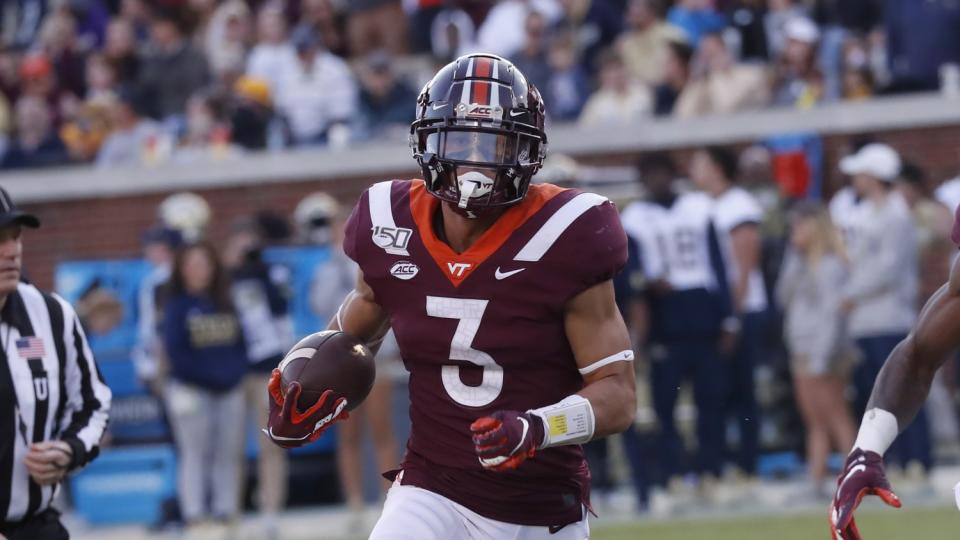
<point x="803" y="30"/>
<point x="877" y="160"/>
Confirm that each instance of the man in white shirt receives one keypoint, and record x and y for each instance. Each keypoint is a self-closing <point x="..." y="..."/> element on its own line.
<point x="315" y="90"/>
<point x="881" y="294"/>
<point x="735" y="224"/>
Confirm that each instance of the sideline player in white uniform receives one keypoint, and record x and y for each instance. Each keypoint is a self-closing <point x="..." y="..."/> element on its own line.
<point x="735" y="221"/>
<point x="686" y="312"/>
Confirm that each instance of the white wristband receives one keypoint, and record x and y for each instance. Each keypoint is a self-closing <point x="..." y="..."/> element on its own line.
<point x="877" y="431"/>
<point x="569" y="421"/>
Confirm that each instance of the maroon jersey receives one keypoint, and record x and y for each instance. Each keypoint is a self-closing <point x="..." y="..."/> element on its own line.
<point x="483" y="330"/>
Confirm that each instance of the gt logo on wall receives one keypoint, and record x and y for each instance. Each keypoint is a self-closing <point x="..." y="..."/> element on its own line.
<point x="393" y="240"/>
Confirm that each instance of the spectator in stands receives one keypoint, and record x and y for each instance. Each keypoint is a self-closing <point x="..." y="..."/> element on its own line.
<point x="676" y="73"/>
<point x="718" y="84"/>
<point x="501" y="31"/>
<point x="252" y="120"/>
<point x="746" y="18"/>
<point x="173" y="69"/>
<point x="39" y="80"/>
<point x="58" y="43"/>
<point x="645" y="44"/>
<point x="422" y="17"/>
<point x="89" y="127"/>
<point x="384" y="104"/>
<point x="135" y="139"/>
<point x="262" y="308"/>
<point x="857" y="80"/>
<point x="207" y="135"/>
<point x="779" y="12"/>
<point x="120" y="50"/>
<point x="619" y="100"/>
<point x="101" y="78"/>
<point x="841" y="20"/>
<point x="921" y="38"/>
<point x="798" y="82"/>
<point x="316" y="91"/>
<point x="881" y="295"/>
<point x="36" y="143"/>
<point x="204" y="343"/>
<point x="595" y="24"/>
<point x="329" y="23"/>
<point x="272" y="51"/>
<point x="735" y="245"/>
<point x="92" y="17"/>
<point x="452" y="34"/>
<point x="532" y="60"/>
<point x="376" y="24"/>
<point x="227" y="38"/>
<point x="696" y="18"/>
<point x="24" y="18"/>
<point x="568" y="87"/>
<point x="820" y="351"/>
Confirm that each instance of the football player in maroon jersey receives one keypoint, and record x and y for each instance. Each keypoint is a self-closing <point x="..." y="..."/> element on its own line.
<point x="500" y="296"/>
<point x="899" y="393"/>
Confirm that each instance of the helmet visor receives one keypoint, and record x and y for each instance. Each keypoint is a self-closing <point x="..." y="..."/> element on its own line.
<point x="474" y="146"/>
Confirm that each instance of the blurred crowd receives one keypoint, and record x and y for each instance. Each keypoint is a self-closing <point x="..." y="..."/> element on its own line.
<point x="124" y="82"/>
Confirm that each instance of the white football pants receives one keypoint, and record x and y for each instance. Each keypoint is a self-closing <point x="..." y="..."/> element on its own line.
<point x="412" y="513"/>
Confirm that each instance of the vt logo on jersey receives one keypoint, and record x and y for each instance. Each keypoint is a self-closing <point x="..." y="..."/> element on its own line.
<point x="393" y="240"/>
<point x="457" y="269"/>
<point x="404" y="270"/>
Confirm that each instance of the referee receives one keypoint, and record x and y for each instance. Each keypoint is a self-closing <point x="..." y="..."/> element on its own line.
<point x="53" y="401"/>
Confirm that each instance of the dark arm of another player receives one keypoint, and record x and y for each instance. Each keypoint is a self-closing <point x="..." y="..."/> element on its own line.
<point x="595" y="331"/>
<point x="904" y="381"/>
<point x="361" y="316"/>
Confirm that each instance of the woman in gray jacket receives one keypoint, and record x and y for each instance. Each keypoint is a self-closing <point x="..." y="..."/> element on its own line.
<point x="809" y="288"/>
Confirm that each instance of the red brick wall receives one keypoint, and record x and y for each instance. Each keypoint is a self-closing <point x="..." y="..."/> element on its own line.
<point x="111" y="227"/>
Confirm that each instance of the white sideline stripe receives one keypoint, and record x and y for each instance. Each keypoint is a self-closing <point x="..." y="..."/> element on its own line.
<point x="381" y="210"/>
<point x="305" y="352"/>
<point x="622" y="356"/>
<point x="554" y="227"/>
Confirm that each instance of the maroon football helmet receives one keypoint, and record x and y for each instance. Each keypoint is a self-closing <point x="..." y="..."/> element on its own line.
<point x="479" y="136"/>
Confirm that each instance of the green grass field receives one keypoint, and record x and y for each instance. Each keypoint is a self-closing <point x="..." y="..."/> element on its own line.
<point x="926" y="524"/>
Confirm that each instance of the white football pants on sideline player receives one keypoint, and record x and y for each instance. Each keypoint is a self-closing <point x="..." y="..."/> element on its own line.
<point x="412" y="513"/>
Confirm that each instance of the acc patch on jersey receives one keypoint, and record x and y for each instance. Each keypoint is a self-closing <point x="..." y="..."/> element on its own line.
<point x="404" y="270"/>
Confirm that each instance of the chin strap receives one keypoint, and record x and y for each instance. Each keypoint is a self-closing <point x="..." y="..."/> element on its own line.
<point x="467" y="187"/>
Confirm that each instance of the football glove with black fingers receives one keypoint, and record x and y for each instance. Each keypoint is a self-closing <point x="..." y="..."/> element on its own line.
<point x="862" y="475"/>
<point x="290" y="428"/>
<point x="506" y="439"/>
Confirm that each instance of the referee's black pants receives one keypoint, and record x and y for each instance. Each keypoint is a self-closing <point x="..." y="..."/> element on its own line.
<point x="43" y="526"/>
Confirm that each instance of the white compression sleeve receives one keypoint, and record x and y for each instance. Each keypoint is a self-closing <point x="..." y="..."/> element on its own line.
<point x="877" y="431"/>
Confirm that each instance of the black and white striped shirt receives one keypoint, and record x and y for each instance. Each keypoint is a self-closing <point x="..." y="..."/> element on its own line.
<point x="50" y="388"/>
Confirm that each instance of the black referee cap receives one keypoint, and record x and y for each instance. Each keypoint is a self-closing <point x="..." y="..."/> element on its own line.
<point x="9" y="213"/>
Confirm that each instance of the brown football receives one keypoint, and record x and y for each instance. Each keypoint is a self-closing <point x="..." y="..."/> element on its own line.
<point x="329" y="360"/>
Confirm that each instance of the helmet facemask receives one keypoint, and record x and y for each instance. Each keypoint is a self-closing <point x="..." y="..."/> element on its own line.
<point x="477" y="169"/>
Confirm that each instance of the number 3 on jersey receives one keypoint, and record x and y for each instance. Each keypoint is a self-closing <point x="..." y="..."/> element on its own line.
<point x="469" y="313"/>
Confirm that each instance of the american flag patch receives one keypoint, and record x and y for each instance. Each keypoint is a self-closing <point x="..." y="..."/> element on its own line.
<point x="30" y="347"/>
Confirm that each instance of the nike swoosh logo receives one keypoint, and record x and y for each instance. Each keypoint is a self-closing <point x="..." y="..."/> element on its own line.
<point x="853" y="471"/>
<point x="523" y="436"/>
<point x="437" y="106"/>
<point x="517" y="113"/>
<point x="504" y="275"/>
